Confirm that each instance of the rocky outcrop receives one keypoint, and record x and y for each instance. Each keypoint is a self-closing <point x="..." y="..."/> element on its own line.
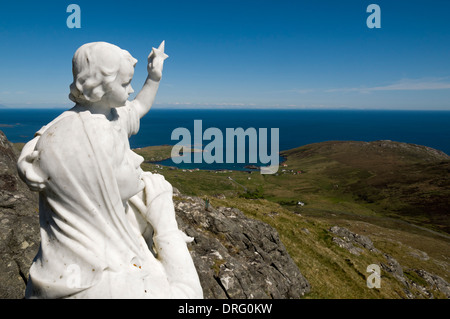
<point x="351" y="241"/>
<point x="434" y="282"/>
<point x="19" y="225"/>
<point x="235" y="256"/>
<point x="356" y="245"/>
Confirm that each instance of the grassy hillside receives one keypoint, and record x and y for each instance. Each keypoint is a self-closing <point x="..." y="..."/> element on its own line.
<point x="404" y="181"/>
<point x="356" y="179"/>
<point x="334" y="272"/>
<point x="396" y="194"/>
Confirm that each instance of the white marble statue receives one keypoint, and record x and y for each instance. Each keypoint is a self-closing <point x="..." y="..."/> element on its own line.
<point x="108" y="229"/>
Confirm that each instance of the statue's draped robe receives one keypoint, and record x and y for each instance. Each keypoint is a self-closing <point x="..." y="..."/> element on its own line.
<point x="91" y="244"/>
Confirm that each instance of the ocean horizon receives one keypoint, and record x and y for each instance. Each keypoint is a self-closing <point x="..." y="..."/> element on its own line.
<point x="296" y="127"/>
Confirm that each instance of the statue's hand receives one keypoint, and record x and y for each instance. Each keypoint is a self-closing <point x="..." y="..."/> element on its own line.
<point x="30" y="172"/>
<point x="160" y="211"/>
<point x="155" y="62"/>
<point x="156" y="186"/>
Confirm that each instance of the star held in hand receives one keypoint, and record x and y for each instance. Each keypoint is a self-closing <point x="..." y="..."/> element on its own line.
<point x="159" y="52"/>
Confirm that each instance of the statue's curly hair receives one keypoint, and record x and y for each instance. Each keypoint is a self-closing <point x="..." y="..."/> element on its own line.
<point x="95" y="66"/>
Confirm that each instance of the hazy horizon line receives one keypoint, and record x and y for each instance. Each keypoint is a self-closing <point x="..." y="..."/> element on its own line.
<point x="267" y="108"/>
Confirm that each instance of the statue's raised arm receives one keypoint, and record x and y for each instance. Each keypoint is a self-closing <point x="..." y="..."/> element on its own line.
<point x="145" y="98"/>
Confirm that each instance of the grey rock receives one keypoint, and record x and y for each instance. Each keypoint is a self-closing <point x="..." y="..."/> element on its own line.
<point x="435" y="282"/>
<point x="421" y="255"/>
<point x="19" y="225"/>
<point x="347" y="245"/>
<point x="238" y="257"/>
<point x="347" y="239"/>
<point x="392" y="266"/>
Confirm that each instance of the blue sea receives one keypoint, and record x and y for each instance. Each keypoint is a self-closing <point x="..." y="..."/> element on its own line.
<point x="296" y="127"/>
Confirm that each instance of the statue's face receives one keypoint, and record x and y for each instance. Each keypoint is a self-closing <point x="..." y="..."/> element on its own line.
<point x="121" y="87"/>
<point x="128" y="175"/>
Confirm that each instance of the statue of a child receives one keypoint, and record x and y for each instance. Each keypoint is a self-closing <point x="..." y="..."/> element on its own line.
<point x="100" y="214"/>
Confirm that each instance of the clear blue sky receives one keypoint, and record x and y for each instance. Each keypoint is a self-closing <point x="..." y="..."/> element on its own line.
<point x="242" y="54"/>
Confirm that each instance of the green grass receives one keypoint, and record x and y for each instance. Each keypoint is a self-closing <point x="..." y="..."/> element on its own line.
<point x="155" y="153"/>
